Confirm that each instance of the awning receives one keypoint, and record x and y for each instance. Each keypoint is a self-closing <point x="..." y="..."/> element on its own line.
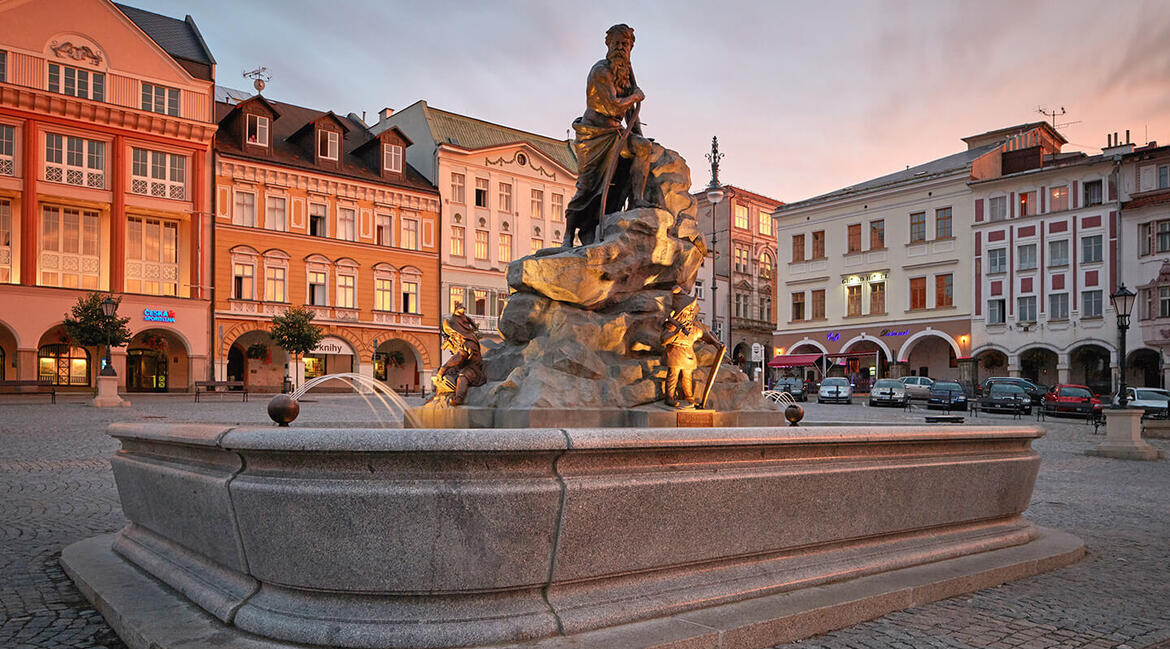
<point x="794" y="360"/>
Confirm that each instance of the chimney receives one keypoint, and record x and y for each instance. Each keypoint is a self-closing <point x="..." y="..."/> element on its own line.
<point x="1114" y="145"/>
<point x="385" y="114"/>
<point x="1127" y="136"/>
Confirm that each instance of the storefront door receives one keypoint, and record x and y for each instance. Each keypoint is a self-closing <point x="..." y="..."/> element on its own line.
<point x="146" y="371"/>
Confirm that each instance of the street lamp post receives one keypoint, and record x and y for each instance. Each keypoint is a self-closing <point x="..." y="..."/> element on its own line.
<point x="714" y="196"/>
<point x="1122" y="301"/>
<point x="109" y="308"/>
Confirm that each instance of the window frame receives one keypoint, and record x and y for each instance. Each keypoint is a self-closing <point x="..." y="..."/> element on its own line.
<point x="1095" y="253"/>
<point x="917" y="293"/>
<point x="1058" y="306"/>
<point x="347" y="223"/>
<point x="943" y="215"/>
<point x="1055" y="261"/>
<point x="392" y="157"/>
<point x="95" y="81"/>
<point x="918" y="227"/>
<point x="328" y="145"/>
<point x="163" y="100"/>
<point x="457" y="245"/>
<point x="257" y="124"/>
<point x="994" y="268"/>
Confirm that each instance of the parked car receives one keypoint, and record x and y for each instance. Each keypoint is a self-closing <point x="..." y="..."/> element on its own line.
<point x="1155" y="401"/>
<point x="917" y="387"/>
<point x="1071" y="399"/>
<point x="888" y="392"/>
<point x="835" y="388"/>
<point x="946" y="395"/>
<point x="792" y="386"/>
<point x="1005" y="396"/>
<point x="1035" y="392"/>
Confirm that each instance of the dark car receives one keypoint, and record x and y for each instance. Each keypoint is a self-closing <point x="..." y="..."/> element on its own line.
<point x="946" y="395"/>
<point x="1005" y="397"/>
<point x="792" y="386"/>
<point x="1035" y="392"/>
<point x="1071" y="400"/>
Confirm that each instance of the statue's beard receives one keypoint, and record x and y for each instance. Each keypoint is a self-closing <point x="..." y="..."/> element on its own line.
<point x="619" y="63"/>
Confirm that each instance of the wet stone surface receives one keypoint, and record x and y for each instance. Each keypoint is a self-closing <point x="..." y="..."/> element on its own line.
<point x="56" y="488"/>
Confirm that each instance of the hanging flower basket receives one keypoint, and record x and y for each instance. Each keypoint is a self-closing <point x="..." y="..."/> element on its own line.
<point x="154" y="342"/>
<point x="395" y="359"/>
<point x="256" y="351"/>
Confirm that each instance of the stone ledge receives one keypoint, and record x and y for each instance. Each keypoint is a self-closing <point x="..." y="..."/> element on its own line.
<point x="147" y="614"/>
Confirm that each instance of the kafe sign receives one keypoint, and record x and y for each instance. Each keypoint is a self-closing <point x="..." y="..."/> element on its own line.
<point x="331" y="345"/>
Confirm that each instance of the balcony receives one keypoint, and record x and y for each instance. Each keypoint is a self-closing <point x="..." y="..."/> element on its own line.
<point x="751" y="324"/>
<point x="158" y="188"/>
<point x="486" y="323"/>
<point x="396" y="318"/>
<point x="71" y="175"/>
<point x="236" y="305"/>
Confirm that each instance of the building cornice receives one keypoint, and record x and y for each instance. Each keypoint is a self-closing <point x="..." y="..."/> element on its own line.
<point x="250" y="171"/>
<point x="40" y="103"/>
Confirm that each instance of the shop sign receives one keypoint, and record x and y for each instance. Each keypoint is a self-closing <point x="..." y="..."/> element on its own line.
<point x="331" y="346"/>
<point x="891" y="332"/>
<point x="757" y="353"/>
<point x="833" y="336"/>
<point x="158" y="315"/>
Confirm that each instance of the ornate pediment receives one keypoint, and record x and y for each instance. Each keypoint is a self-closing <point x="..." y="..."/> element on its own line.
<point x="77" y="49"/>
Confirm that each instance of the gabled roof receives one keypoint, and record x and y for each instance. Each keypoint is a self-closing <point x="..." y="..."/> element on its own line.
<point x="470" y="133"/>
<point x="935" y="168"/>
<point x="290" y="154"/>
<point x="1003" y="133"/>
<point x="345" y="124"/>
<point x="179" y="38"/>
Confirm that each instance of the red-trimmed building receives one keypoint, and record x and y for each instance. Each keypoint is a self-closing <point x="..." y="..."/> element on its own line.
<point x="106" y="125"/>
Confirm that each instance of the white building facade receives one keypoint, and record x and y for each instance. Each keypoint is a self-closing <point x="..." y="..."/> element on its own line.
<point x="503" y="193"/>
<point x="877" y="278"/>
<point x="1145" y="264"/>
<point x="1046" y="261"/>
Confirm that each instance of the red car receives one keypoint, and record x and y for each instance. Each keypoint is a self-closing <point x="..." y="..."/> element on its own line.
<point x="1072" y="400"/>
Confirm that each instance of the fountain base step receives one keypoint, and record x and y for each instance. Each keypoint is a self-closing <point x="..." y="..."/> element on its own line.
<point x="643" y="417"/>
<point x="146" y="613"/>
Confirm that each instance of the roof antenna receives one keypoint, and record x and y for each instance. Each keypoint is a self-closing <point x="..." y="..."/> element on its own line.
<point x="1053" y="114"/>
<point x="259" y="77"/>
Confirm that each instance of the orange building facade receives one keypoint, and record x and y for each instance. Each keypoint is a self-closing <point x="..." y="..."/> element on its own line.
<point x="313" y="209"/>
<point x="106" y="126"/>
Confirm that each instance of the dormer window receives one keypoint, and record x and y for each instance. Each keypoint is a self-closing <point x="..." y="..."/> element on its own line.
<point x="257" y="130"/>
<point x="392" y="157"/>
<point x="327" y="142"/>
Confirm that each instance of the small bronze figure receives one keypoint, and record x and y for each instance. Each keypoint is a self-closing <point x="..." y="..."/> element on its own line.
<point x="683" y="330"/>
<point x="464" y="369"/>
<point x="611" y="96"/>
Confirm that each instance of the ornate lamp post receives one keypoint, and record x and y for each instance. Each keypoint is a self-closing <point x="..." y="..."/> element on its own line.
<point x="109" y="308"/>
<point x="714" y="196"/>
<point x="1122" y="301"/>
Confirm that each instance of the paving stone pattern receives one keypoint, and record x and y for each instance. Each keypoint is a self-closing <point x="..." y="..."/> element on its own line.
<point x="56" y="488"/>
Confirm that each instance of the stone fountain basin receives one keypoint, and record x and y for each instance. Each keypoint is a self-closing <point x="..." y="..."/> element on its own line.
<point x="446" y="538"/>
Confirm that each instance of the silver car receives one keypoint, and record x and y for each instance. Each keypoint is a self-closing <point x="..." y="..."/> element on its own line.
<point x="917" y="387"/>
<point x="1155" y="401"/>
<point x="835" y="389"/>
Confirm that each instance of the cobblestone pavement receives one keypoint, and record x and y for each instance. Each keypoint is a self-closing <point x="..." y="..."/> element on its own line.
<point x="56" y="488"/>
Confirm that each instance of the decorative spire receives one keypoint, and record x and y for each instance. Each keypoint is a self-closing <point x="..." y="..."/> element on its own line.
<point x="714" y="157"/>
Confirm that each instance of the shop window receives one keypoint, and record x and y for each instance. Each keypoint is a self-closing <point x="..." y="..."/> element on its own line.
<point x="63" y="365"/>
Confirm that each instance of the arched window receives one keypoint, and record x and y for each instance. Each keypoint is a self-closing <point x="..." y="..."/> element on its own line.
<point x="62" y="364"/>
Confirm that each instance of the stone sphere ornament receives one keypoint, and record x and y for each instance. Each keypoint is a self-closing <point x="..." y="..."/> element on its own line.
<point x="283" y="409"/>
<point x="793" y="413"/>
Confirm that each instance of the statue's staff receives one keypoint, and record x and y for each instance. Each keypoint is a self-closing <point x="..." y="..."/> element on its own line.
<point x="621" y="143"/>
<point x="711" y="375"/>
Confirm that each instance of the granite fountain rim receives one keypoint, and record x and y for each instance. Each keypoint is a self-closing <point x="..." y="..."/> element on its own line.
<point x="324" y="439"/>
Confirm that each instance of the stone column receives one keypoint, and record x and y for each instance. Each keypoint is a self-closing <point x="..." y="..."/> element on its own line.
<point x="898" y="369"/>
<point x="1063" y="374"/>
<point x="1123" y="437"/>
<point x="366" y="370"/>
<point x="221" y="370"/>
<point x="968" y="373"/>
<point x="26" y="364"/>
<point x="197" y="368"/>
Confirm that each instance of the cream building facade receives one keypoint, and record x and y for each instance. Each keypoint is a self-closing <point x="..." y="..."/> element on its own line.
<point x="503" y="194"/>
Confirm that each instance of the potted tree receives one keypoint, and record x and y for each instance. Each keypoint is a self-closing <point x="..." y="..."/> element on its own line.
<point x="94" y="322"/>
<point x="294" y="332"/>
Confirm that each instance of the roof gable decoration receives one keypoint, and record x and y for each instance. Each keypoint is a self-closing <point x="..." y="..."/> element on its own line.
<point x="525" y="156"/>
<point x="75" y="49"/>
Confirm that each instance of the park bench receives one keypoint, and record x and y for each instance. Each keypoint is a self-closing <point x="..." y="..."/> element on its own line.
<point x="22" y="387"/>
<point x="214" y="386"/>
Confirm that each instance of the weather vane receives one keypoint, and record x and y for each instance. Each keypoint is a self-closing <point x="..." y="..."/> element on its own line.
<point x="259" y="78"/>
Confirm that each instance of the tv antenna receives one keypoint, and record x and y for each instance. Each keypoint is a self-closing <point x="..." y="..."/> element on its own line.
<point x="1053" y="114"/>
<point x="259" y="77"/>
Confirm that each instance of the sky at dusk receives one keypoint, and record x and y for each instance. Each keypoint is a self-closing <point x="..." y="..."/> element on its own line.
<point x="805" y="97"/>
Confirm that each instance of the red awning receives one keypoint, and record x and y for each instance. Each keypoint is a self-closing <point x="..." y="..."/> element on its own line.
<point x="794" y="360"/>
